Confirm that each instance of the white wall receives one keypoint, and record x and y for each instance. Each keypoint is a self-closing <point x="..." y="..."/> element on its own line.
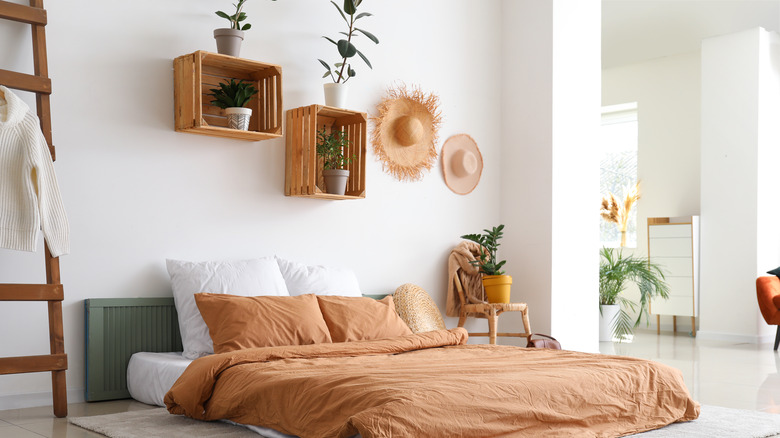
<point x="668" y="93"/>
<point x="138" y="192"/>
<point x="739" y="108"/>
<point x="549" y="174"/>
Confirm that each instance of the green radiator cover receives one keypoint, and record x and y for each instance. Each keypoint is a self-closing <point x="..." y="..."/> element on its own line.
<point x="116" y="328"/>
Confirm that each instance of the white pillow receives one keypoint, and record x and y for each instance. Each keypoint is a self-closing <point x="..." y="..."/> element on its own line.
<point x="321" y="280"/>
<point x="245" y="277"/>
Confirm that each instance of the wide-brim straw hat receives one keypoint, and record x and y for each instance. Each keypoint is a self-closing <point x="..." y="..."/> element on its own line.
<point x="461" y="163"/>
<point x="406" y="132"/>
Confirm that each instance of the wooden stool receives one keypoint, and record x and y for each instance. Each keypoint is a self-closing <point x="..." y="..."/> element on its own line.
<point x="491" y="311"/>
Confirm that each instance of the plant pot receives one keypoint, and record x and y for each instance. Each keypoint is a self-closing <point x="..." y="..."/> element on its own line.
<point x="606" y="320"/>
<point x="497" y="288"/>
<point x="238" y="118"/>
<point x="336" y="95"/>
<point x="229" y="41"/>
<point x="335" y="181"/>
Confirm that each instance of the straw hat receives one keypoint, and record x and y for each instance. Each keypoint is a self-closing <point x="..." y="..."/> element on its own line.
<point x="417" y="309"/>
<point x="406" y="132"/>
<point x="461" y="163"/>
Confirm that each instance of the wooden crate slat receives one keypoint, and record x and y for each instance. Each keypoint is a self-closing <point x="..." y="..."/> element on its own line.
<point x="33" y="364"/>
<point x="22" y="13"/>
<point x="303" y="170"/>
<point x="31" y="292"/>
<point x="211" y="69"/>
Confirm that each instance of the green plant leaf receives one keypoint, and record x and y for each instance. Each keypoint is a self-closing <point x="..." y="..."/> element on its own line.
<point x="369" y="35"/>
<point x="223" y="15"/>
<point x="346" y="49"/>
<point x="246" y="27"/>
<point x="362" y="14"/>
<point x="340" y="12"/>
<point x="365" y="59"/>
<point x="241" y="16"/>
<point x="331" y="40"/>
<point x="326" y="74"/>
<point x="350" y="6"/>
<point x="350" y="72"/>
<point x="324" y="64"/>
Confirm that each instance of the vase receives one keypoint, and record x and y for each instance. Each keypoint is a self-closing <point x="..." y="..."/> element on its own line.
<point x="607" y="320"/>
<point x="336" y="95"/>
<point x="497" y="288"/>
<point x="229" y="41"/>
<point x="335" y="181"/>
<point x="238" y="118"/>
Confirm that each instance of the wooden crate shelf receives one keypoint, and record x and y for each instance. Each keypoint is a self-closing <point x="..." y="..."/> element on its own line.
<point x="195" y="74"/>
<point x="303" y="167"/>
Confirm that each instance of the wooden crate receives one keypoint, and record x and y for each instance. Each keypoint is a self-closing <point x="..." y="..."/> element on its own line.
<point x="303" y="167"/>
<point x="197" y="73"/>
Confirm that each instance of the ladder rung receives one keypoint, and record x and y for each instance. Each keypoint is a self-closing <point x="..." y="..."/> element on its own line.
<point x="22" y="13"/>
<point x="31" y="292"/>
<point x="25" y="82"/>
<point x="33" y="364"/>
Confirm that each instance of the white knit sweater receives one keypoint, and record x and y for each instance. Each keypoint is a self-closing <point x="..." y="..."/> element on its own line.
<point x="29" y="196"/>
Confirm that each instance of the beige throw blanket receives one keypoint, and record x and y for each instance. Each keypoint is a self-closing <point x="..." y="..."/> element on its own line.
<point x="417" y="386"/>
<point x="460" y="264"/>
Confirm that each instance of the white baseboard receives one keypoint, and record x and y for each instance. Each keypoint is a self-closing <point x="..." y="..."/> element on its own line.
<point x="707" y="335"/>
<point x="31" y="400"/>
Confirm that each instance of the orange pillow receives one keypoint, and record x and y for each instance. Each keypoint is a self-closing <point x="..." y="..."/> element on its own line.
<point x="237" y="322"/>
<point x="359" y="318"/>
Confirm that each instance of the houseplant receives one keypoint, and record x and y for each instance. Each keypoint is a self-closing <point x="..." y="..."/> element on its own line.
<point x="497" y="285"/>
<point x="229" y="39"/>
<point x="332" y="147"/>
<point x="616" y="271"/>
<point x="336" y="93"/>
<point x="232" y="96"/>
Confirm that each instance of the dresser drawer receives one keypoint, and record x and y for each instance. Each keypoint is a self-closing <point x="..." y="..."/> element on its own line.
<point x="671" y="230"/>
<point x="674" y="266"/>
<point x="671" y="247"/>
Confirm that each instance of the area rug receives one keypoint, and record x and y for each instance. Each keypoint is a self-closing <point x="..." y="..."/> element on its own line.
<point x="714" y="422"/>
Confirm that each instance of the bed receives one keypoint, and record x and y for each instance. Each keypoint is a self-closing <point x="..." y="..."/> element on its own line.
<point x="340" y="366"/>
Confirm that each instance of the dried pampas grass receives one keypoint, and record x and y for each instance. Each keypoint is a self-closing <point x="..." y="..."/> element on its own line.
<point x="617" y="212"/>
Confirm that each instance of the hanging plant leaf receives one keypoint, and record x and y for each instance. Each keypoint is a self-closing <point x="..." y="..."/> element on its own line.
<point x="365" y="59"/>
<point x="361" y="15"/>
<point x="350" y="6"/>
<point x="339" y="9"/>
<point x="346" y="49"/>
<point x="369" y="35"/>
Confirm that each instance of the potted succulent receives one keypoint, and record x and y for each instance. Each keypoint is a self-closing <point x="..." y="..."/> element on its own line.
<point x="336" y="93"/>
<point x="331" y="147"/>
<point x="497" y="285"/>
<point x="229" y="39"/>
<point x="232" y="96"/>
<point x="615" y="272"/>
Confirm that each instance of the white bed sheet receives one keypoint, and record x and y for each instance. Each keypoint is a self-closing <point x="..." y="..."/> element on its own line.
<point x="151" y="375"/>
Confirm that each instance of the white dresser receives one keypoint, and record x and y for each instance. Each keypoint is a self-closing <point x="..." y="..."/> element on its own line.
<point x="673" y="244"/>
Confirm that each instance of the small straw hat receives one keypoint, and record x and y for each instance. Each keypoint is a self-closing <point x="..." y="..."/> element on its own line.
<point x="406" y="132"/>
<point x="461" y="163"/>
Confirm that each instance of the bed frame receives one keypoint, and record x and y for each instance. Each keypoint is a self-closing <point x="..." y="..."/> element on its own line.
<point x="116" y="328"/>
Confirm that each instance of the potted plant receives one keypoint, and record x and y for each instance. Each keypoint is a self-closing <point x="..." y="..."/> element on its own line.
<point x="331" y="147"/>
<point x="336" y="93"/>
<point x="232" y="96"/>
<point x="229" y="39"/>
<point x="616" y="271"/>
<point x="497" y="285"/>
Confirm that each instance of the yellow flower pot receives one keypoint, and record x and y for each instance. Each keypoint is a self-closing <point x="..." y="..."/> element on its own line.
<point x="497" y="288"/>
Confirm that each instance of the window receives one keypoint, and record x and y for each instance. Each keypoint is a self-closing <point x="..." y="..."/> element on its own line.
<point x="619" y="146"/>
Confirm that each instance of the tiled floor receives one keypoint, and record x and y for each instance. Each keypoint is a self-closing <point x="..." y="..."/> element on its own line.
<point x="740" y="376"/>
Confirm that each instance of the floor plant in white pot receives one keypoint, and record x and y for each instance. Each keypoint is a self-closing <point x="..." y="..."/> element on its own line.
<point x="232" y="96"/>
<point x="336" y="92"/>
<point x="616" y="271"/>
<point x="332" y="147"/>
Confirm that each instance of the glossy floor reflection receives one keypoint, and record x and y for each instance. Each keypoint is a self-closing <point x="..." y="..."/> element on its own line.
<point x="729" y="374"/>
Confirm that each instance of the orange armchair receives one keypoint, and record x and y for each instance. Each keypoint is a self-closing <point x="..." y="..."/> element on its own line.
<point x="768" y="290"/>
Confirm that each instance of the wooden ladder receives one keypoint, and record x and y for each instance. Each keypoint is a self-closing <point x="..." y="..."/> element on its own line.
<point x="52" y="291"/>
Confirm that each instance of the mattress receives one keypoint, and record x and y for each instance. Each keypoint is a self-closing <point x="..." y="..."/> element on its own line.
<point x="151" y="375"/>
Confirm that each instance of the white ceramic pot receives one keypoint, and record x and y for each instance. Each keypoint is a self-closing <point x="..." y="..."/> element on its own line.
<point x="606" y="320"/>
<point x="238" y="118"/>
<point x="229" y="41"/>
<point x="336" y="95"/>
<point x="335" y="181"/>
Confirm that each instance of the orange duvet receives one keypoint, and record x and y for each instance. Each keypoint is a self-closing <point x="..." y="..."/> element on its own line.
<point x="432" y="385"/>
